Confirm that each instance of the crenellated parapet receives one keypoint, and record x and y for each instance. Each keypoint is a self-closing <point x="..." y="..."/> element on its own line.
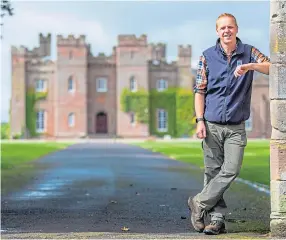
<point x="157" y="65"/>
<point x="43" y="50"/>
<point x="184" y="51"/>
<point x="40" y="62"/>
<point x="71" y="40"/>
<point x="157" y="51"/>
<point x="101" y="59"/>
<point x="132" y="40"/>
<point x="20" y="51"/>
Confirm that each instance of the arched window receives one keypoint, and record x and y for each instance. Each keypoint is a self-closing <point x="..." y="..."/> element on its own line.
<point x="71" y="119"/>
<point x="71" y="87"/>
<point x="133" y="84"/>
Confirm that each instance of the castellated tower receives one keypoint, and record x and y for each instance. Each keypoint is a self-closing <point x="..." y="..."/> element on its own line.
<point x="45" y="45"/>
<point x="101" y="94"/>
<point x="185" y="78"/>
<point x="132" y="72"/>
<point x="27" y="69"/>
<point x="71" y="87"/>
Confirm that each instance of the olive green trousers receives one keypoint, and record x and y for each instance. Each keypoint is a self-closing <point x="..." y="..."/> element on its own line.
<point x="223" y="150"/>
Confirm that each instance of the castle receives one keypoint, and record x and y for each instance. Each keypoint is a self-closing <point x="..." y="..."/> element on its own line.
<point x="82" y="91"/>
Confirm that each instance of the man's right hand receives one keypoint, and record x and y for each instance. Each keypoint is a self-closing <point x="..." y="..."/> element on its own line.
<point x="201" y="130"/>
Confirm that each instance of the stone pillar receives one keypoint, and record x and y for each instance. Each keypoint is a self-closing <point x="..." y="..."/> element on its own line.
<point x="278" y="117"/>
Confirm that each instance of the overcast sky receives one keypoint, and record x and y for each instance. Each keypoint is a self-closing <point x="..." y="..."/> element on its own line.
<point x="171" y="22"/>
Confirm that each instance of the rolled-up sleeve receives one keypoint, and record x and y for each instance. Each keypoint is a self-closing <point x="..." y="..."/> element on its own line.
<point x="258" y="57"/>
<point x="202" y="76"/>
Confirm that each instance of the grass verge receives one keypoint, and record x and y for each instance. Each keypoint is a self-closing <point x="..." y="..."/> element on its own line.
<point x="255" y="167"/>
<point x="17" y="162"/>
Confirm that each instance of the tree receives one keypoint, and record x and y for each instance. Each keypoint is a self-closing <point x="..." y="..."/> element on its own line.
<point x="5" y="9"/>
<point x="5" y="130"/>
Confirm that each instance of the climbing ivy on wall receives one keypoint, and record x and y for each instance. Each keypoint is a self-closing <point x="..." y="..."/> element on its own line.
<point x="40" y="95"/>
<point x="177" y="102"/>
<point x="30" y="112"/>
<point x="185" y="124"/>
<point x="137" y="102"/>
<point x="163" y="100"/>
<point x="31" y="98"/>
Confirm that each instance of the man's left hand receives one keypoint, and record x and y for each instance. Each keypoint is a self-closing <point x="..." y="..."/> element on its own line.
<point x="242" y="69"/>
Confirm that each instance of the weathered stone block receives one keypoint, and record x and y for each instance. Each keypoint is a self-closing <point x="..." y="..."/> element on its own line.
<point x="278" y="160"/>
<point x="277" y="42"/>
<point x="278" y="114"/>
<point x="277" y="81"/>
<point x="278" y="11"/>
<point x="277" y="227"/>
<point x="278" y="196"/>
<point x="278" y="135"/>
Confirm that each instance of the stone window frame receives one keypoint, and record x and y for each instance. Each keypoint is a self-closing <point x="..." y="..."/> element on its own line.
<point x="133" y="84"/>
<point x="40" y="85"/>
<point x="71" y="119"/>
<point x="132" y="118"/>
<point x="103" y="88"/>
<point x="71" y="84"/>
<point x="159" y="84"/>
<point x="161" y="121"/>
<point x="41" y="121"/>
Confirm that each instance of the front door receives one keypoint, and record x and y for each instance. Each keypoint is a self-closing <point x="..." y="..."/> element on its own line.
<point x="101" y="123"/>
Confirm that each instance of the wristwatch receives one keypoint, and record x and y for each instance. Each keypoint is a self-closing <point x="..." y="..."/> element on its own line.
<point x="199" y="119"/>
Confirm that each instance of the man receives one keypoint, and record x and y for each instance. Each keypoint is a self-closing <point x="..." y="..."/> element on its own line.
<point x="222" y="104"/>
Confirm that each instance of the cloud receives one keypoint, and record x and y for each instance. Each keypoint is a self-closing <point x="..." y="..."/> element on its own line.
<point x="24" y="27"/>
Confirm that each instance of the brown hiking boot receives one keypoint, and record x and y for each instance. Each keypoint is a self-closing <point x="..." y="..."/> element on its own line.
<point x="197" y="216"/>
<point x="215" y="227"/>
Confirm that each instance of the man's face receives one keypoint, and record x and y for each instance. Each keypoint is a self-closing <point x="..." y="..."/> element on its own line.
<point x="227" y="29"/>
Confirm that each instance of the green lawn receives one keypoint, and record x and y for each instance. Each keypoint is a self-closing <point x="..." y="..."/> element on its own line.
<point x="256" y="166"/>
<point x="17" y="161"/>
<point x="14" y="154"/>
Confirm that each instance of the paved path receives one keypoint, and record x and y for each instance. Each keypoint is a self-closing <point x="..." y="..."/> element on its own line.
<point x="102" y="187"/>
